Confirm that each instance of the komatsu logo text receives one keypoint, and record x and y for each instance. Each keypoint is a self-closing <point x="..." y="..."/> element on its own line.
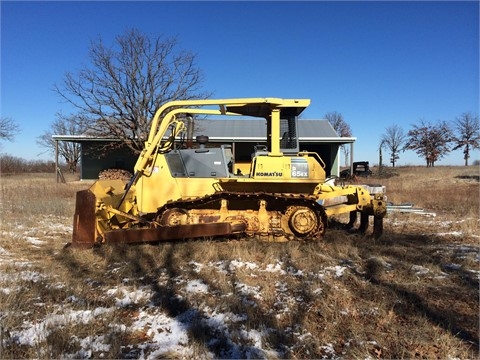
<point x="269" y="173"/>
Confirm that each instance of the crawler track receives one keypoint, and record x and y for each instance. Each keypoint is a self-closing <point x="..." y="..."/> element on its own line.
<point x="270" y="216"/>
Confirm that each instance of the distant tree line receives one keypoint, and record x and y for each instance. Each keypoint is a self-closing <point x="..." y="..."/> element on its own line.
<point x="15" y="165"/>
<point x="433" y="141"/>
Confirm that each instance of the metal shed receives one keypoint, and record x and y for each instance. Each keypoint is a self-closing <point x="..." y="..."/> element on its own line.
<point x="243" y="134"/>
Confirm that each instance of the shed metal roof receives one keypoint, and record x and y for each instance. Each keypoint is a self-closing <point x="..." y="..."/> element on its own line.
<point x="251" y="128"/>
<point x="243" y="130"/>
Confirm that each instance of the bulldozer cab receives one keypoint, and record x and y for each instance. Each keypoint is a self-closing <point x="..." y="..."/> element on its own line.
<point x="268" y="161"/>
<point x="282" y="134"/>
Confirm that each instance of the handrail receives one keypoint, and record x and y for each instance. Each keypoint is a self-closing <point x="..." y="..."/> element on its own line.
<point x="322" y="163"/>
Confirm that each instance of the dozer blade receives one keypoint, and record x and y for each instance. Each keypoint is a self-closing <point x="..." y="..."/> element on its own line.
<point x="167" y="233"/>
<point x="84" y="220"/>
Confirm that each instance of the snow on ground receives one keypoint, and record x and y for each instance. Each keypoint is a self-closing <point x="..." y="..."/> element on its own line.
<point x="4" y="252"/>
<point x="168" y="334"/>
<point x="34" y="332"/>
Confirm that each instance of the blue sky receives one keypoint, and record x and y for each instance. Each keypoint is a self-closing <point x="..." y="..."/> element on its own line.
<point x="377" y="63"/>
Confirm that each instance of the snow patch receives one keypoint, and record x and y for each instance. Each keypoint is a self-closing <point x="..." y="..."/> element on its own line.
<point x="196" y="286"/>
<point x="420" y="270"/>
<point x="38" y="331"/>
<point x="165" y="334"/>
<point x="129" y="297"/>
<point x="451" y="233"/>
<point x="4" y="252"/>
<point x="337" y="270"/>
<point x="34" y="240"/>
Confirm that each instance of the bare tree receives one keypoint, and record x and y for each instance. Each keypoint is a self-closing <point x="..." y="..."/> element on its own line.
<point x="65" y="125"/>
<point x="468" y="134"/>
<point x="393" y="139"/>
<point x="341" y="127"/>
<point x="8" y="128"/>
<point x="128" y="82"/>
<point x="432" y="141"/>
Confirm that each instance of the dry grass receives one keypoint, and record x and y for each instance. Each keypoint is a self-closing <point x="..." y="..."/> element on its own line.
<point x="411" y="294"/>
<point x="452" y="190"/>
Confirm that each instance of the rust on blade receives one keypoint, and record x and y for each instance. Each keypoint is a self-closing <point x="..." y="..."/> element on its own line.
<point x="84" y="219"/>
<point x="167" y="233"/>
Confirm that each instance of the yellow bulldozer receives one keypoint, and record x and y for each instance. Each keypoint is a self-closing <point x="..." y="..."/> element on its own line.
<point x="186" y="192"/>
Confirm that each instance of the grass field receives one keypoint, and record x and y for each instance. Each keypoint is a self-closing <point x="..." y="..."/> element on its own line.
<point x="413" y="293"/>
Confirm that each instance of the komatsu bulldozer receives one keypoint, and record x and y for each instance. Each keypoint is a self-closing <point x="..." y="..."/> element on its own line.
<point x="180" y="192"/>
